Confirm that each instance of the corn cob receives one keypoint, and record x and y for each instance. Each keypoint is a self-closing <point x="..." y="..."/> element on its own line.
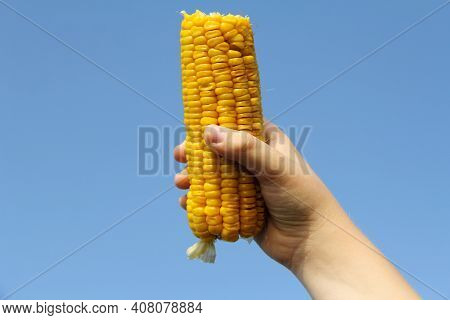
<point x="220" y="86"/>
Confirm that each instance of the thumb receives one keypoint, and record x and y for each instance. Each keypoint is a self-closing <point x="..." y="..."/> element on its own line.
<point x="250" y="152"/>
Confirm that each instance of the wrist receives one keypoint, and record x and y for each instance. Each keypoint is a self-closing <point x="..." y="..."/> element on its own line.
<point x="325" y="239"/>
<point x="339" y="262"/>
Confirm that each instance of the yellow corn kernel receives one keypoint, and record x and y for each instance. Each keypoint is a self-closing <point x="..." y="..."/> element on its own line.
<point x="213" y="34"/>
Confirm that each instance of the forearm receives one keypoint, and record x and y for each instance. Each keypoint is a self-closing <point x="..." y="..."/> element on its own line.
<point x="341" y="263"/>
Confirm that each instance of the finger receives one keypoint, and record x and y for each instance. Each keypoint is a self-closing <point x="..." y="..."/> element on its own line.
<point x="182" y="201"/>
<point x="279" y="141"/>
<point x="181" y="180"/>
<point x="180" y="153"/>
<point x="271" y="131"/>
<point x="252" y="153"/>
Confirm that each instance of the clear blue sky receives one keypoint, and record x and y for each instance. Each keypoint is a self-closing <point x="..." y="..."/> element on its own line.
<point x="68" y="146"/>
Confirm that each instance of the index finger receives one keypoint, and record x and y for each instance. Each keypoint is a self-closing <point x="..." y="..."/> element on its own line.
<point x="180" y="153"/>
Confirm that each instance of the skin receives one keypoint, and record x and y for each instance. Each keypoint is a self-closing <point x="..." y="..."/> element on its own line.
<point x="307" y="231"/>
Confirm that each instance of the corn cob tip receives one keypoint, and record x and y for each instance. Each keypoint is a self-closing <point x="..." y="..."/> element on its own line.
<point x="204" y="250"/>
<point x="199" y="13"/>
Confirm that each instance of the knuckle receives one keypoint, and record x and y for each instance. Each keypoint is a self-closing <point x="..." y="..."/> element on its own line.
<point x="248" y="142"/>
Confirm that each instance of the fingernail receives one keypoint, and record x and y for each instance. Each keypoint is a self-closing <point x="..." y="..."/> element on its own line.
<point x="213" y="135"/>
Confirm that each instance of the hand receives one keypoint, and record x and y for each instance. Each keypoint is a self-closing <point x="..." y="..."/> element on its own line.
<point x="306" y="230"/>
<point x="276" y="164"/>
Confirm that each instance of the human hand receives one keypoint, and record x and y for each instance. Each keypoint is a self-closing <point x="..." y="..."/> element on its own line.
<point x="291" y="190"/>
<point x="306" y="230"/>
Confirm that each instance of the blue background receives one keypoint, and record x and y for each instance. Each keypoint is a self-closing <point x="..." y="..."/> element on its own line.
<point x="68" y="142"/>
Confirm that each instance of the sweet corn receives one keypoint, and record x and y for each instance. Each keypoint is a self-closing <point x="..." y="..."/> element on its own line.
<point x="220" y="86"/>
